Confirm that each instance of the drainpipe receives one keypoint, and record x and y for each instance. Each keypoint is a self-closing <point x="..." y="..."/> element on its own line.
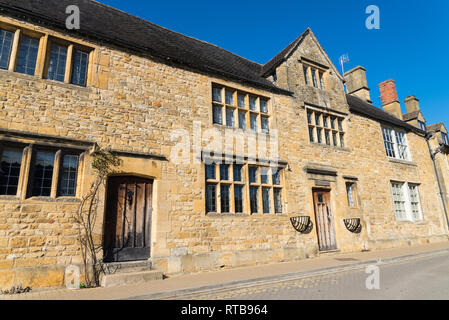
<point x="432" y="155"/>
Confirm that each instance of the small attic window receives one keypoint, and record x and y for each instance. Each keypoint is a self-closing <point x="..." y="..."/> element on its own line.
<point x="422" y="125"/>
<point x="274" y="76"/>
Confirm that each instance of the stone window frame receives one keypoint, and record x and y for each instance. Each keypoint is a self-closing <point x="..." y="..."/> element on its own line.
<point x="246" y="185"/>
<point x="422" y="125"/>
<point x="232" y="102"/>
<point x="322" y="122"/>
<point x="315" y="75"/>
<point x="396" y="143"/>
<point x="29" y="150"/>
<point x="44" y="51"/>
<point x="402" y="196"/>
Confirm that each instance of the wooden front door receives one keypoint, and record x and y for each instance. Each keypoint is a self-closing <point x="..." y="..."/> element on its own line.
<point x="324" y="220"/>
<point x="128" y="219"/>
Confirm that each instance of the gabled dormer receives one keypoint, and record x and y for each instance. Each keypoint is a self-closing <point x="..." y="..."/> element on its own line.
<point x="305" y="69"/>
<point x="414" y="116"/>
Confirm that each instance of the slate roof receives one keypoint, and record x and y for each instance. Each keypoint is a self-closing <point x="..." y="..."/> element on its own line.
<point x="364" y="108"/>
<point x="281" y="56"/>
<point x="436" y="127"/>
<point x="104" y="23"/>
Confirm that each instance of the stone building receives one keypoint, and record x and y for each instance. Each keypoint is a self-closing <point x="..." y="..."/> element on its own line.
<point x="225" y="162"/>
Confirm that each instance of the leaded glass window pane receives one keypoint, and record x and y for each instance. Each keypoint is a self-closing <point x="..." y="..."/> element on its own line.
<point x="10" y="171"/>
<point x="252" y="174"/>
<point x="69" y="173"/>
<point x="58" y="60"/>
<point x="254" y="199"/>
<point x="80" y="65"/>
<point x="242" y="119"/>
<point x="277" y="200"/>
<point x="225" y="199"/>
<point x="210" y="172"/>
<point x="264" y="123"/>
<point x="238" y="197"/>
<point x="224" y="172"/>
<point x="216" y="94"/>
<point x="217" y="114"/>
<point x="211" y="198"/>
<point x="253" y="120"/>
<point x="237" y="173"/>
<point x="43" y="173"/>
<point x="252" y="103"/>
<point x="266" y="200"/>
<point x="230" y="97"/>
<point x="263" y="106"/>
<point x="6" y="40"/>
<point x="241" y="100"/>
<point x="27" y="57"/>
<point x="229" y="117"/>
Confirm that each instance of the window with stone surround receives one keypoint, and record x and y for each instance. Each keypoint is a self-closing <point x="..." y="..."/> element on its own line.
<point x="351" y="192"/>
<point x="314" y="76"/>
<point x="406" y="201"/>
<point x="237" y="109"/>
<point x="396" y="144"/>
<point x="44" y="56"/>
<point x="325" y="128"/>
<point x="6" y="39"/>
<point x="46" y="171"/>
<point x="243" y="189"/>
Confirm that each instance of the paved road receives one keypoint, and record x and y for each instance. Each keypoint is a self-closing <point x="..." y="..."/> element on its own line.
<point x="424" y="279"/>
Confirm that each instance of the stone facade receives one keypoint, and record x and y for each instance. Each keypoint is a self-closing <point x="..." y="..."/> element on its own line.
<point x="141" y="106"/>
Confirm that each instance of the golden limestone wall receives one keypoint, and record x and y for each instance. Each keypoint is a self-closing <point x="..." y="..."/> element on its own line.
<point x="363" y="158"/>
<point x="142" y="105"/>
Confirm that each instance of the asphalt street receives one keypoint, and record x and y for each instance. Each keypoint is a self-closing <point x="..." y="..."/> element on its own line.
<point x="424" y="279"/>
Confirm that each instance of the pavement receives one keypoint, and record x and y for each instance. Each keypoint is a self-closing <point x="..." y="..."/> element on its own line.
<point x="211" y="284"/>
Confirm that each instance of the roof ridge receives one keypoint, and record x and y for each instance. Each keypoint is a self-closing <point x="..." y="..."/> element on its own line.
<point x="169" y="30"/>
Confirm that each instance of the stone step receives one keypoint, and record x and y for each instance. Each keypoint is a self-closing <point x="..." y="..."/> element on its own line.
<point x="123" y="279"/>
<point x="127" y="267"/>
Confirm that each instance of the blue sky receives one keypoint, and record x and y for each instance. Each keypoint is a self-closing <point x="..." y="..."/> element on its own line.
<point x="411" y="47"/>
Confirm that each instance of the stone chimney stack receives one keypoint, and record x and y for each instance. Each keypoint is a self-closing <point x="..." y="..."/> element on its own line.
<point x="412" y="104"/>
<point x="356" y="83"/>
<point x="389" y="96"/>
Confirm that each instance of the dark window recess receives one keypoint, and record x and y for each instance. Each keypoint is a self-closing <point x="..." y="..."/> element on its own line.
<point x="211" y="198"/>
<point x="237" y="173"/>
<point x="266" y="200"/>
<point x="238" y="195"/>
<point x="69" y="172"/>
<point x="43" y="174"/>
<point x="6" y="39"/>
<point x="9" y="171"/>
<point x="225" y="199"/>
<point x="210" y="172"/>
<point x="26" y="60"/>
<point x="224" y="172"/>
<point x="253" y="191"/>
<point x="252" y="175"/>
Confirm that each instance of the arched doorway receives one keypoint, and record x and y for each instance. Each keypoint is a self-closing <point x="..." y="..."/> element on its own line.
<point x="128" y="219"/>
